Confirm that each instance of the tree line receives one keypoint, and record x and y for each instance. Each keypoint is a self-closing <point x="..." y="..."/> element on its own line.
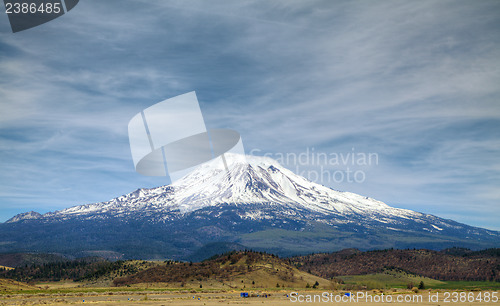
<point x="447" y="265"/>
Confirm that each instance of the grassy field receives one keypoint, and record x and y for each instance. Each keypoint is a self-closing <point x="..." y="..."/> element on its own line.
<point x="393" y="283"/>
<point x="389" y="280"/>
<point x="393" y="279"/>
<point x="382" y="281"/>
<point x="471" y="285"/>
<point x="144" y="295"/>
<point x="267" y="279"/>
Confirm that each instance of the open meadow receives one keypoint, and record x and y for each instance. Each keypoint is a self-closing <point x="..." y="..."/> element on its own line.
<point x="64" y="294"/>
<point x="244" y="278"/>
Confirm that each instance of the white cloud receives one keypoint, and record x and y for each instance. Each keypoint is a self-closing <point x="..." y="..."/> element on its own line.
<point x="398" y="78"/>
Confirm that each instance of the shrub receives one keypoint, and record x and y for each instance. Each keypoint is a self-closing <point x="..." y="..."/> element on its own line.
<point x="421" y="285"/>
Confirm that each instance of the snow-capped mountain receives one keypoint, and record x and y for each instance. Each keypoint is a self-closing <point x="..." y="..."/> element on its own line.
<point x="252" y="180"/>
<point x="249" y="203"/>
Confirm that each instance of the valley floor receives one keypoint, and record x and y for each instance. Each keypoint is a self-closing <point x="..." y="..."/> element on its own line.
<point x="137" y="296"/>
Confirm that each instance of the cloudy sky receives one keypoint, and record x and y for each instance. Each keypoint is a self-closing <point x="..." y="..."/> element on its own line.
<point x="415" y="82"/>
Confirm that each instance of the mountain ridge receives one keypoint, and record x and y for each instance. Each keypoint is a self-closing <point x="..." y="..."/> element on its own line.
<point x="256" y="179"/>
<point x="255" y="203"/>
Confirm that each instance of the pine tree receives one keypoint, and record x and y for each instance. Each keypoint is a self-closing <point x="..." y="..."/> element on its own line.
<point x="421" y="285"/>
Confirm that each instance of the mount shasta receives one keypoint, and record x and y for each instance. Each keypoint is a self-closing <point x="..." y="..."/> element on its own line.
<point x="256" y="204"/>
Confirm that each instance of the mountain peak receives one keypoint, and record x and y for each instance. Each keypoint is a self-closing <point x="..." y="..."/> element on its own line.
<point x="252" y="201"/>
<point x="240" y="180"/>
<point x="30" y="215"/>
<point x="255" y="179"/>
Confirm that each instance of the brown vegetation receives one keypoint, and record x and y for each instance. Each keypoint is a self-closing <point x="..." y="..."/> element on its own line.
<point x="246" y="269"/>
<point x="444" y="265"/>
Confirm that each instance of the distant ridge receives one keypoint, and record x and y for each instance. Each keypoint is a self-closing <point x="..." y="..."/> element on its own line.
<point x="31" y="215"/>
<point x="250" y="269"/>
<point x="21" y="259"/>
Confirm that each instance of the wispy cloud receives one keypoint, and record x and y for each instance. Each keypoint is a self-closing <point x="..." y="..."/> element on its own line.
<point x="415" y="82"/>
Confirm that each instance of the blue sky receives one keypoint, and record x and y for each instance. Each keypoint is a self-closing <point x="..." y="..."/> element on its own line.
<point x="415" y="82"/>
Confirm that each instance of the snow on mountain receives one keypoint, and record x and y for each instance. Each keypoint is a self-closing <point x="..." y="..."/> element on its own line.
<point x="250" y="180"/>
<point x="30" y="215"/>
<point x="262" y="179"/>
<point x="255" y="202"/>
